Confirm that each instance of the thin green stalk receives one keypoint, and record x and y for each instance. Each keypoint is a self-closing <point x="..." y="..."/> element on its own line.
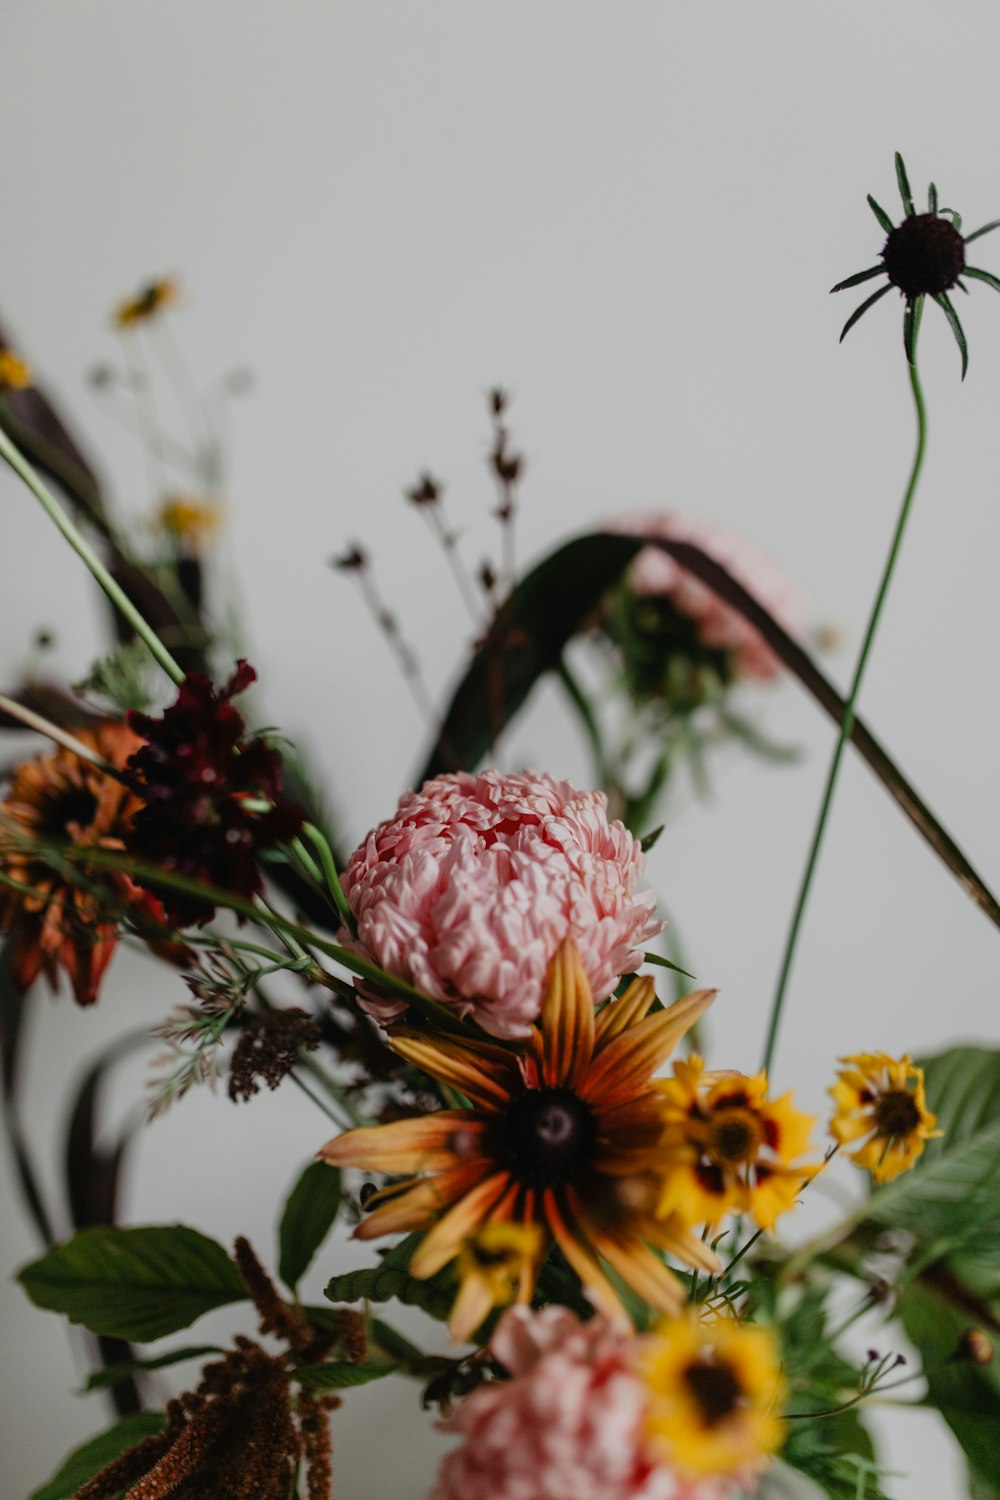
<point x="847" y="722"/>
<point x="41" y="725"/>
<point x="329" y="869"/>
<point x="17" y="461"/>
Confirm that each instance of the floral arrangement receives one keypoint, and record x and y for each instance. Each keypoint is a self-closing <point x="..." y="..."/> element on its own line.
<point x="528" y="1129"/>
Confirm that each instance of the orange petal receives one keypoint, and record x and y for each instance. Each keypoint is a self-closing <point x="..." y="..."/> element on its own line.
<point x="573" y="1245"/>
<point x="673" y="1236"/>
<point x="444" y="1241"/>
<point x="618" y="1015"/>
<point x="415" y="1208"/>
<point x="644" y="1272"/>
<point x="470" y="1307"/>
<point x="423" y="1144"/>
<point x="630" y="1060"/>
<point x="484" y="1074"/>
<point x="567" y="1019"/>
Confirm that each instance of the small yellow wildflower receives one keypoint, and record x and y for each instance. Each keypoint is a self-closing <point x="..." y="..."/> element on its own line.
<point x="728" y="1148"/>
<point x="493" y="1263"/>
<point x="714" y="1394"/>
<point x="882" y="1110"/>
<point x="146" y="304"/>
<point x="189" y="521"/>
<point x="15" y="375"/>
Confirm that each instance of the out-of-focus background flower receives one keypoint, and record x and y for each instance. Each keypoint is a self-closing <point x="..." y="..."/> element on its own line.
<point x="629" y="216"/>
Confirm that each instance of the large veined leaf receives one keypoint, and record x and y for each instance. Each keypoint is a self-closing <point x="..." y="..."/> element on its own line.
<point x="550" y="605"/>
<point x="307" y="1219"/>
<point x="966" y="1395"/>
<point x="136" y="1284"/>
<point x="91" y="1457"/>
<point x="338" y="1374"/>
<point x="949" y="1203"/>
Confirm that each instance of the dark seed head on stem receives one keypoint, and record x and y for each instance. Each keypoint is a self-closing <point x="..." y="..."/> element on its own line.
<point x="924" y="255"/>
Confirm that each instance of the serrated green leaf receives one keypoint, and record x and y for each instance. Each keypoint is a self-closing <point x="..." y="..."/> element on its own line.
<point x="134" y="1283"/>
<point x="394" y="1344"/>
<point x="91" y="1457"/>
<point x="391" y="1279"/>
<point x="338" y="1374"/>
<point x="307" y="1219"/>
<point x="98" y="1380"/>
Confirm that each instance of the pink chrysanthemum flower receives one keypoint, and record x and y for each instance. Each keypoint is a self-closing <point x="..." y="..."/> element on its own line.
<point x="570" y="1422"/>
<point x="470" y="888"/>
<point x="717" y="624"/>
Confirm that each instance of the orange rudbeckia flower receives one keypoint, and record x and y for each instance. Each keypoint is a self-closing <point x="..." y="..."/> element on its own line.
<point x="564" y="1136"/>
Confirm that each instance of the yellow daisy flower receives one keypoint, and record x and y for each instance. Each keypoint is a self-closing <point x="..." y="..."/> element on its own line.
<point x="563" y="1136"/>
<point x="147" y="303"/>
<point x="491" y="1266"/>
<point x="188" y="521"/>
<point x="882" y="1110"/>
<point x="15" y="375"/>
<point x="714" y="1394"/>
<point x="728" y="1148"/>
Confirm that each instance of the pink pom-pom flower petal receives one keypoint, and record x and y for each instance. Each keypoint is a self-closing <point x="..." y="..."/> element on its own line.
<point x="469" y="889"/>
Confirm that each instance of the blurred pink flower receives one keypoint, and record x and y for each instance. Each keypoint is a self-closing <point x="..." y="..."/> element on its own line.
<point x="469" y="889"/>
<point x="567" y="1426"/>
<point x="718" y="624"/>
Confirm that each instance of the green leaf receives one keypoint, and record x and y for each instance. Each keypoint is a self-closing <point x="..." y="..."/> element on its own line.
<point x="986" y="229"/>
<point x="665" y="963"/>
<point x="308" y="1217"/>
<point x="650" y="840"/>
<point x="338" y="1374"/>
<point x="932" y="199"/>
<point x="911" y="317"/>
<point x="97" y="1380"/>
<point x="966" y="1395"/>
<point x="881" y="215"/>
<point x="859" y="312"/>
<point x="858" y="278"/>
<point x="987" y="276"/>
<point x="904" y="187"/>
<point x="91" y="1457"/>
<point x="392" y="1279"/>
<point x="394" y="1344"/>
<point x="945" y="304"/>
<point x="948" y="1202"/>
<point x="134" y="1283"/>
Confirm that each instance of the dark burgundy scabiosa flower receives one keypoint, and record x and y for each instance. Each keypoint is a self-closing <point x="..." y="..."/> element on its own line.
<point x="212" y="798"/>
<point x="924" y="256"/>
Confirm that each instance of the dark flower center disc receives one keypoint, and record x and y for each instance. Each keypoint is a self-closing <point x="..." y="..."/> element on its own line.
<point x="715" y="1389"/>
<point x="896" y="1114"/>
<point x="547" y="1136"/>
<point x="925" y="255"/>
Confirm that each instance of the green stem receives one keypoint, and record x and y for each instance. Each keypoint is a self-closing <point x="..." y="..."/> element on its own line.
<point x="17" y="461"/>
<point x="847" y="722"/>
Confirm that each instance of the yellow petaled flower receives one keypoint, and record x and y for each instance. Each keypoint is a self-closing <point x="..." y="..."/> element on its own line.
<point x="881" y="1108"/>
<point x="15" y="375"/>
<point x="728" y="1148"/>
<point x="563" y="1136"/>
<point x="714" y="1394"/>
<point x="151" y="300"/>
<point x="189" y="521"/>
<point x="491" y="1265"/>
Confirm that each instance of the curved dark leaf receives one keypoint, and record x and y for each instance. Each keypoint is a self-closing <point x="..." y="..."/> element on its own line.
<point x="307" y="1219"/>
<point x="31" y="421"/>
<point x="549" y="606"/>
<point x="337" y="1374"/>
<point x="12" y="1010"/>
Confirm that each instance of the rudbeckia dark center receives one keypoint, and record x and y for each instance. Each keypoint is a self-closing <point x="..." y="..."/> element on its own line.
<point x="734" y="1136"/>
<point x="925" y="255"/>
<point x="896" y="1114"/>
<point x="715" y="1389"/>
<point x="547" y="1136"/>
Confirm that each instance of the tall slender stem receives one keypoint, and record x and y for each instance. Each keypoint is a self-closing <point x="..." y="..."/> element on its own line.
<point x="115" y="593"/>
<point x="847" y="721"/>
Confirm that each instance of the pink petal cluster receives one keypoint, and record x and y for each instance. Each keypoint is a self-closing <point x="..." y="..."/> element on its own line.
<point x="470" y="888"/>
<point x="719" y="625"/>
<point x="568" y="1425"/>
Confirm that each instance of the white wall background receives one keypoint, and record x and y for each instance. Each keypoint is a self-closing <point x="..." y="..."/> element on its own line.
<point x="631" y="215"/>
